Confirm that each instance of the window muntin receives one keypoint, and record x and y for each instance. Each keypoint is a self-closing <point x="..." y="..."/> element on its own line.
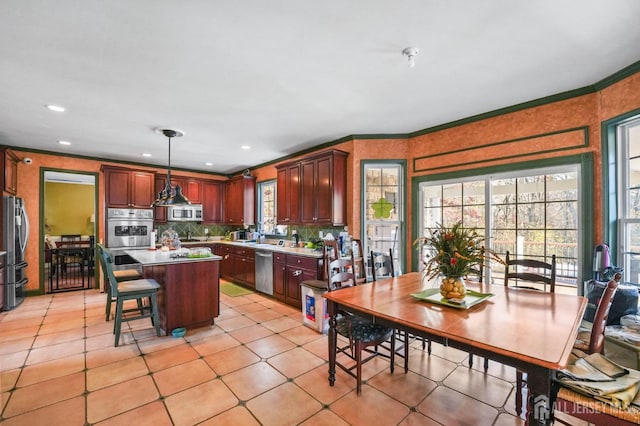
<point x="383" y="209"/>
<point x="628" y="135"/>
<point x="530" y="213"/>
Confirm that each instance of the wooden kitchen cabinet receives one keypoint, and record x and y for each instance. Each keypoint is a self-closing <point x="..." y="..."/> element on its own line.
<point x="324" y="181"/>
<point x="191" y="188"/>
<point x="126" y="188"/>
<point x="288" y="194"/>
<point x="312" y="190"/>
<point x="238" y="264"/>
<point x="240" y="193"/>
<point x="10" y="176"/>
<point x="289" y="271"/>
<point x="279" y="275"/>
<point x="212" y="196"/>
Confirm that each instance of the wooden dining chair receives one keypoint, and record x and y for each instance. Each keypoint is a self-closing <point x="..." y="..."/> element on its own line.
<point x="592" y="341"/>
<point x="363" y="336"/>
<point x="537" y="273"/>
<point x="73" y="255"/>
<point x="581" y="406"/>
<point x="382" y="267"/>
<point x="120" y="275"/>
<point x="141" y="290"/>
<point x="538" y="276"/>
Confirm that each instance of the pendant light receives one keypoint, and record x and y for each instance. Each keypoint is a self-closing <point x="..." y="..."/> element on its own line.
<point x="170" y="196"/>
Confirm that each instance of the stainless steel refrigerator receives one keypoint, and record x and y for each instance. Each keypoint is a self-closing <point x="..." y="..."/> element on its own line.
<point x="16" y="235"/>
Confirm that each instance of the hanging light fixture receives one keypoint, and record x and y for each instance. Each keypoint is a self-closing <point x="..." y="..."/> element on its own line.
<point x="170" y="196"/>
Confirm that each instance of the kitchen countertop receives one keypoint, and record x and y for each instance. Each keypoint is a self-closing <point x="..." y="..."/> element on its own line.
<point x="159" y="257"/>
<point x="271" y="247"/>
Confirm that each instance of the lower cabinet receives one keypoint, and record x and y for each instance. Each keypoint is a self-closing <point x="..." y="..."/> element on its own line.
<point x="288" y="272"/>
<point x="238" y="264"/>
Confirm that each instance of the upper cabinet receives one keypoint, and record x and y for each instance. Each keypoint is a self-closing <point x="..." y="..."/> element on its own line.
<point x="288" y="194"/>
<point x="10" y="175"/>
<point x="212" y="195"/>
<point x="240" y="193"/>
<point x="191" y="188"/>
<point x="126" y="188"/>
<point x="317" y="196"/>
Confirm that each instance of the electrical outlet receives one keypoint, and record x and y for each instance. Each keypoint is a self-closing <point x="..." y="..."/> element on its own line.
<point x="206" y="231"/>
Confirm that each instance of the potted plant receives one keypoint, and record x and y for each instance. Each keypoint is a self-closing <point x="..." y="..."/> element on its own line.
<point x="453" y="253"/>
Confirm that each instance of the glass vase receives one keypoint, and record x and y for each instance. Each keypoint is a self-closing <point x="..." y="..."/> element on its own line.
<point x="453" y="288"/>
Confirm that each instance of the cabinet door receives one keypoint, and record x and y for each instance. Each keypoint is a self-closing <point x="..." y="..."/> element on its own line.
<point x="288" y="193"/>
<point x="212" y="194"/>
<point x="117" y="188"/>
<point x="142" y="186"/>
<point x="249" y="271"/>
<point x="308" y="195"/>
<point x="239" y="201"/>
<point x="10" y="172"/>
<point x="233" y="204"/>
<point x="160" y="213"/>
<point x="324" y="190"/>
<point x="295" y="276"/>
<point x="193" y="190"/>
<point x="279" y="278"/>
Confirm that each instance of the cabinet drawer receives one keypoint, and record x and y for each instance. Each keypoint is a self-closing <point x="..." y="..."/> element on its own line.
<point x="303" y="262"/>
<point x="279" y="257"/>
<point x="244" y="251"/>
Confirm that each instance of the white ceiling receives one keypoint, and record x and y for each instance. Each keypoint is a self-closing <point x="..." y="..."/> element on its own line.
<point x="284" y="75"/>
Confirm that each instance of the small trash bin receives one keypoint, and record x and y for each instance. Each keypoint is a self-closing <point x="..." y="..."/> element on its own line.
<point x="314" y="305"/>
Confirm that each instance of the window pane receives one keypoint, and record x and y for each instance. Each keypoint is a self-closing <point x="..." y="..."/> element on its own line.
<point x="534" y="215"/>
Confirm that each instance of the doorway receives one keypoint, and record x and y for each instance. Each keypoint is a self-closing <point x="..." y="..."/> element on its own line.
<point x="68" y="230"/>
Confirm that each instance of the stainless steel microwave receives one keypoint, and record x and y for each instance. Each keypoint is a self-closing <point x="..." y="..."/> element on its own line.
<point x="186" y="213"/>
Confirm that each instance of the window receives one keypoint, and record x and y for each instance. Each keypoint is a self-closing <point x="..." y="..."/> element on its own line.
<point x="267" y="207"/>
<point x="383" y="214"/>
<point x="628" y="135"/>
<point x="531" y="213"/>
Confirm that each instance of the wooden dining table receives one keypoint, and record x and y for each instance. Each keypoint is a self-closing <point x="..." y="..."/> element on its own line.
<point x="530" y="330"/>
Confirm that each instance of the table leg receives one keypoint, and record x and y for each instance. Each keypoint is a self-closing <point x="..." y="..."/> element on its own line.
<point x="333" y="341"/>
<point x="539" y="405"/>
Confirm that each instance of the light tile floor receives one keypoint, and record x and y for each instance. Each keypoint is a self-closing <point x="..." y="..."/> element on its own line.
<point x="258" y="365"/>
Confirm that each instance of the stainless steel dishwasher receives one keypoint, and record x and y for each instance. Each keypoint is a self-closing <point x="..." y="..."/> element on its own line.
<point x="264" y="271"/>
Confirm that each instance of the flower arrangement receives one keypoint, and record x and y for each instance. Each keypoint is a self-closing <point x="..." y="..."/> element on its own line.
<point x="453" y="252"/>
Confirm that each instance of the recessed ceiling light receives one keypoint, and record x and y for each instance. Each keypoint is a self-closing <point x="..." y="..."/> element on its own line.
<point x="146" y="154"/>
<point x="56" y="108"/>
<point x="64" y="142"/>
<point x="245" y="147"/>
<point x="208" y="164"/>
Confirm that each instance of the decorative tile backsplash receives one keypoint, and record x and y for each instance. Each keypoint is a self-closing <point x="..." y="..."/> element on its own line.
<point x="198" y="230"/>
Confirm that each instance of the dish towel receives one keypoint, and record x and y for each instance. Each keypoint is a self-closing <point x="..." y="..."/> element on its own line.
<point x="602" y="379"/>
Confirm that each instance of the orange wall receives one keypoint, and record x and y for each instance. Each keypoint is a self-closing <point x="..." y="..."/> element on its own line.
<point x="29" y="189"/>
<point x="478" y="138"/>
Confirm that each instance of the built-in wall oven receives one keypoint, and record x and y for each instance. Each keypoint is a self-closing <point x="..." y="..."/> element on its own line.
<point x="128" y="229"/>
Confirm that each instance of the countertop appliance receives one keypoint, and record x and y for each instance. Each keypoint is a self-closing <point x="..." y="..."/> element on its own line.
<point x="185" y="213"/>
<point x="16" y="236"/>
<point x="264" y="271"/>
<point x="239" y="236"/>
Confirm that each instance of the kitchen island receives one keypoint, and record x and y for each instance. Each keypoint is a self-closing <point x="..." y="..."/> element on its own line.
<point x="189" y="294"/>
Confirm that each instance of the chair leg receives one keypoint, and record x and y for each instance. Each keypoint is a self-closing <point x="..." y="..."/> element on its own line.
<point x="406" y="352"/>
<point x="518" y="393"/>
<point x="359" y="347"/>
<point x="155" y="320"/>
<point x="393" y="352"/>
<point x="107" y="290"/>
<point x="428" y="347"/>
<point x="470" y="360"/>
<point x="118" y="320"/>
<point x="486" y="364"/>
